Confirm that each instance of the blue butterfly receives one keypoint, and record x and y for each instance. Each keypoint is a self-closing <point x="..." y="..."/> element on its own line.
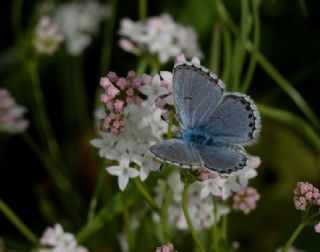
<point x="215" y="126"/>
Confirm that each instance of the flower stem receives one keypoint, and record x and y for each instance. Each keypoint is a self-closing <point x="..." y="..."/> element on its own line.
<point x="256" y="42"/>
<point x="143" y="9"/>
<point x="16" y="18"/>
<point x="54" y="161"/>
<point x="126" y="217"/>
<point x="146" y="195"/>
<point x="14" y="219"/>
<point x="215" y="48"/>
<point x="293" y="237"/>
<point x="94" y="200"/>
<point x="188" y="220"/>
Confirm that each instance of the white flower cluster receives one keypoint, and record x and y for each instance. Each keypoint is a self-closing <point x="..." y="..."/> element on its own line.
<point x="143" y="127"/>
<point x="11" y="114"/>
<point x="79" y="21"/>
<point x="47" y="36"/>
<point x="158" y="35"/>
<point x="223" y="187"/>
<point x="201" y="211"/>
<point x="200" y="206"/>
<point x="54" y="239"/>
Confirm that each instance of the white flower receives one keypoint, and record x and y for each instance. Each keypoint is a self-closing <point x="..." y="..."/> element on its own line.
<point x="123" y="171"/>
<point x="158" y="35"/>
<point x="148" y="164"/>
<point x="104" y="144"/>
<point x="79" y="21"/>
<point x="47" y="36"/>
<point x="153" y="90"/>
<point x="58" y="240"/>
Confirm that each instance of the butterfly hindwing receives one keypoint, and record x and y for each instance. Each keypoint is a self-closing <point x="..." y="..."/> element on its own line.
<point x="235" y="120"/>
<point x="196" y="93"/>
<point x="223" y="159"/>
<point x="176" y="151"/>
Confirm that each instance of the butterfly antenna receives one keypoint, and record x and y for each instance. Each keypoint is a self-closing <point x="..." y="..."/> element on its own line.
<point x="169" y="124"/>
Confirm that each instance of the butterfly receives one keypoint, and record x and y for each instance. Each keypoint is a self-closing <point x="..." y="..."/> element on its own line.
<point x="215" y="126"/>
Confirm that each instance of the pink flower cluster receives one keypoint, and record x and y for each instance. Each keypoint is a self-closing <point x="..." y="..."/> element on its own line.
<point x="11" y="114"/>
<point x="304" y="194"/>
<point x="119" y="92"/>
<point x="165" y="248"/>
<point x="245" y="200"/>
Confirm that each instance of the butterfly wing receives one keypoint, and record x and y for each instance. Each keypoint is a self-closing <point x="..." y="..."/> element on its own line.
<point x="196" y="93"/>
<point x="235" y="120"/>
<point x="176" y="151"/>
<point x="223" y="159"/>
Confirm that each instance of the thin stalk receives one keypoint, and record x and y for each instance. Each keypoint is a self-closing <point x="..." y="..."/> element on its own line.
<point x="108" y="38"/>
<point x="224" y="16"/>
<point x="239" y="46"/>
<point x="291" y="120"/>
<point x="17" y="222"/>
<point x="80" y="94"/>
<point x="224" y="226"/>
<point x="146" y="194"/>
<point x="36" y="149"/>
<point x="142" y="66"/>
<point x="95" y="197"/>
<point x="55" y="163"/>
<point x="288" y="88"/>
<point x="215" y="48"/>
<point x="216" y="225"/>
<point x="16" y="18"/>
<point x="227" y="51"/>
<point x="188" y="220"/>
<point x="271" y="70"/>
<point x="127" y="225"/>
<point x="293" y="237"/>
<point x="256" y="42"/>
<point x="143" y="5"/>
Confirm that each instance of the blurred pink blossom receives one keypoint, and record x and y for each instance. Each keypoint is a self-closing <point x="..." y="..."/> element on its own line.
<point x="306" y="194"/>
<point x="245" y="200"/>
<point x="11" y="114"/>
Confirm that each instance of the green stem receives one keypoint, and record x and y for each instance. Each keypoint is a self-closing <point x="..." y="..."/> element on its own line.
<point x="16" y="18"/>
<point x="239" y="46"/>
<point x="80" y="94"/>
<point x="108" y="212"/>
<point x="127" y="225"/>
<point x="216" y="225"/>
<point x="146" y="195"/>
<point x="142" y="66"/>
<point x="256" y="42"/>
<point x="288" y="88"/>
<point x="215" y="48"/>
<point x="227" y="51"/>
<point x="55" y="165"/>
<point x="224" y="227"/>
<point x="14" y="219"/>
<point x="291" y="120"/>
<point x="293" y="237"/>
<point x="187" y="217"/>
<point x="94" y="200"/>
<point x="143" y="9"/>
<point x="108" y="38"/>
<point x="35" y="148"/>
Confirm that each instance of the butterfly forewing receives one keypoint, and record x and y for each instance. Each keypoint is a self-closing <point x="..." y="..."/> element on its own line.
<point x="196" y="94"/>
